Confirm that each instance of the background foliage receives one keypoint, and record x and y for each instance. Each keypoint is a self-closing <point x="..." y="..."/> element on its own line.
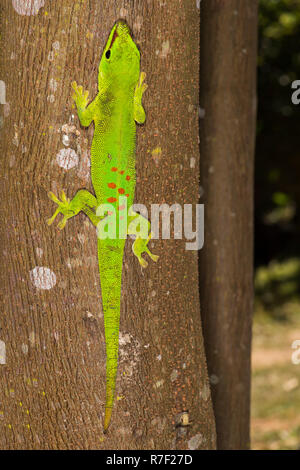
<point x="277" y="158"/>
<point x="276" y="384"/>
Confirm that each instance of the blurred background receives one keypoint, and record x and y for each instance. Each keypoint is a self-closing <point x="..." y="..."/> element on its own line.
<point x="276" y="380"/>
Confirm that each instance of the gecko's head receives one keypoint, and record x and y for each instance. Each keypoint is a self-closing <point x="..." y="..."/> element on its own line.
<point x="120" y="62"/>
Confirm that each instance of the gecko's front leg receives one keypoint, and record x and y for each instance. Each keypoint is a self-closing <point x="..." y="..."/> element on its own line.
<point x="86" y="113"/>
<point x="82" y="201"/>
<point x="141" y="87"/>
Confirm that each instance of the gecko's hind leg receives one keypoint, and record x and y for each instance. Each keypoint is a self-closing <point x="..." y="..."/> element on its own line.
<point x="82" y="201"/>
<point x="139" y="247"/>
<point x="140" y="244"/>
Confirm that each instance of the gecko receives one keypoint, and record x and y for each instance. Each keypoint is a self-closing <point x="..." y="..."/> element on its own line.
<point x="115" y="111"/>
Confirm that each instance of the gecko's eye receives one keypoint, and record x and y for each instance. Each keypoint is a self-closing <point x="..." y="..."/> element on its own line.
<point x="107" y="54"/>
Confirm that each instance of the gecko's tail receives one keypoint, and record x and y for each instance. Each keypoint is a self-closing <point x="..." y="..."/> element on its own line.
<point x="107" y="418"/>
<point x="110" y="254"/>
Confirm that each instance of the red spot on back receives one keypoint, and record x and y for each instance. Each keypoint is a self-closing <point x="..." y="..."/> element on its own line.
<point x="122" y="172"/>
<point x="127" y="195"/>
<point x="112" y="185"/>
<point x="114" y="168"/>
<point x="111" y="199"/>
<point x="128" y="177"/>
<point x="121" y="191"/>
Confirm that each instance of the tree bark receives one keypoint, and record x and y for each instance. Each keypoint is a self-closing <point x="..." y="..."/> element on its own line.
<point x="228" y="99"/>
<point x="52" y="385"/>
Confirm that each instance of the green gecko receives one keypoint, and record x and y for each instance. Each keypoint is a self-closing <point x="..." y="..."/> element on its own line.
<point x="115" y="111"/>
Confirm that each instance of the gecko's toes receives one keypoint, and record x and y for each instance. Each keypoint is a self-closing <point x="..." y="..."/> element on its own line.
<point x="63" y="222"/>
<point x="142" y="77"/>
<point x="63" y="196"/>
<point x="61" y="225"/>
<point x="143" y="262"/>
<point x="53" y="198"/>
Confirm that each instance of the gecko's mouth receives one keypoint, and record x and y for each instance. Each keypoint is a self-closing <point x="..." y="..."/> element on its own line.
<point x="121" y="29"/>
<point x="115" y="36"/>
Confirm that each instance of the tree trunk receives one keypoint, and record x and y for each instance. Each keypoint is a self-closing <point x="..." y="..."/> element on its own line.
<point x="52" y="385"/>
<point x="228" y="71"/>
